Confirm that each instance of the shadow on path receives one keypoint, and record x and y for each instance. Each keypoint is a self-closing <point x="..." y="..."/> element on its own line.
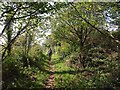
<point x="68" y="72"/>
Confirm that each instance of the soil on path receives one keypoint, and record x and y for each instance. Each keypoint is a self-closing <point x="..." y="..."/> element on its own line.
<point x="50" y="81"/>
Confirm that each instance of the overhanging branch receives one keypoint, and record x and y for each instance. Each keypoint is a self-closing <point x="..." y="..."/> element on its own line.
<point x="9" y="21"/>
<point x="13" y="40"/>
<point x="104" y="33"/>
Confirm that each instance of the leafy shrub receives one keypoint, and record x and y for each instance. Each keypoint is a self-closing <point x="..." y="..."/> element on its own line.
<point x="19" y="73"/>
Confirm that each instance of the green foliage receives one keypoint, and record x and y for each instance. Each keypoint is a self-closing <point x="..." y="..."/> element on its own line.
<point x="102" y="76"/>
<point x="30" y="74"/>
<point x="84" y="57"/>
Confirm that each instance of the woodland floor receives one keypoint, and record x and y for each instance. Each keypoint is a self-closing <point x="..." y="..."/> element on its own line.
<point x="50" y="81"/>
<point x="57" y="73"/>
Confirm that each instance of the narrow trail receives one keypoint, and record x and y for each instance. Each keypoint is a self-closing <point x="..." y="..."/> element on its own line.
<point x="50" y="81"/>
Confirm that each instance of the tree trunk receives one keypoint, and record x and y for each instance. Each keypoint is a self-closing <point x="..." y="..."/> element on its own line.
<point x="119" y="53"/>
<point x="81" y="55"/>
<point x="9" y="37"/>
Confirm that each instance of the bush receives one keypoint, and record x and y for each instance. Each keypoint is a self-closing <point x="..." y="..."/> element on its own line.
<point x="20" y="70"/>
